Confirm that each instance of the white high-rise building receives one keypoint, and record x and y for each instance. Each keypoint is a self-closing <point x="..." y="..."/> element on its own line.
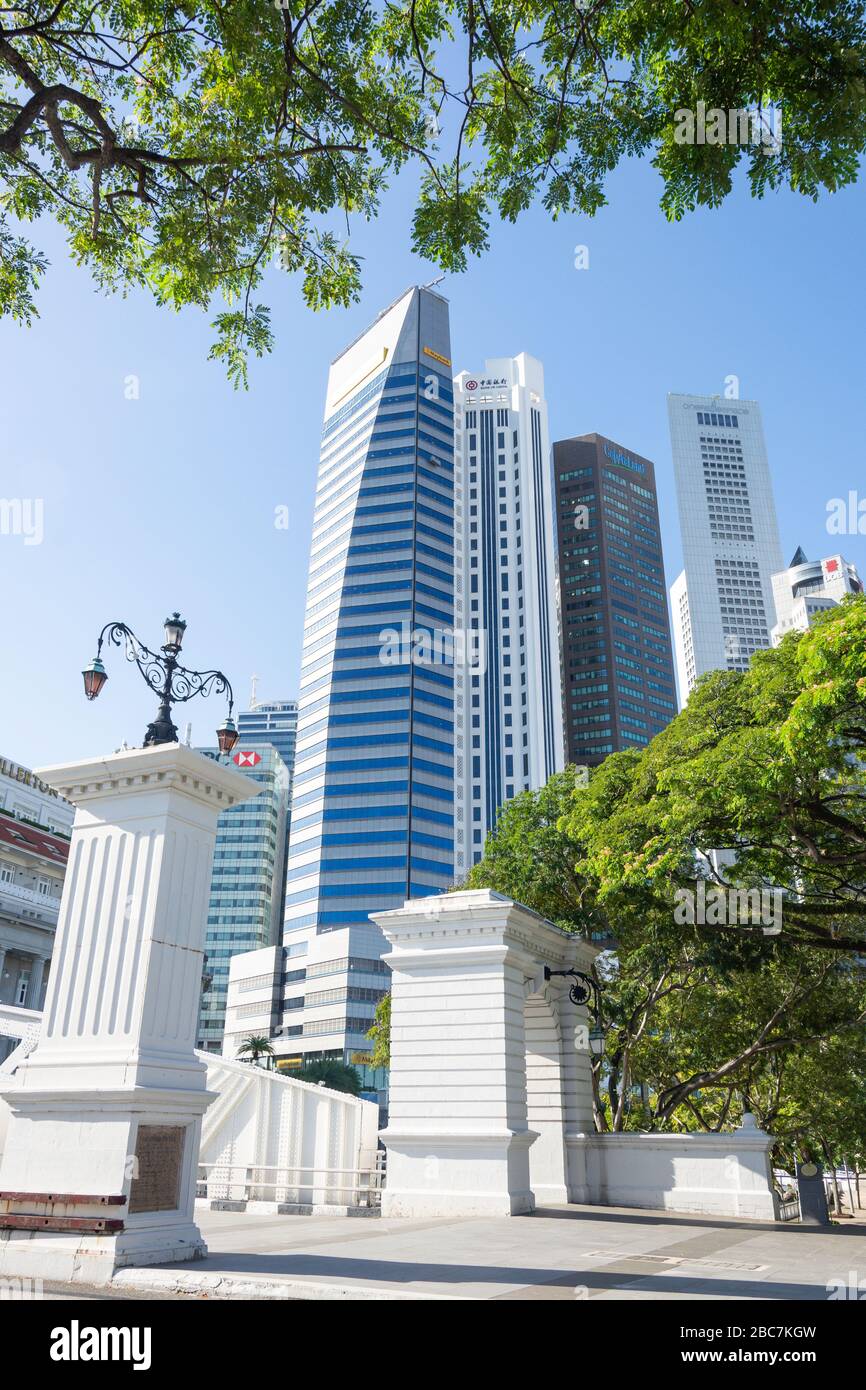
<point x="808" y="587"/>
<point x="508" y="733"/>
<point x="722" y="602"/>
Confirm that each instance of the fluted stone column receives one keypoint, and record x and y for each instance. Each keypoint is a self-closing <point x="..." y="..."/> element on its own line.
<point x="485" y="1075"/>
<point x="34" y="989"/>
<point x="109" y="1103"/>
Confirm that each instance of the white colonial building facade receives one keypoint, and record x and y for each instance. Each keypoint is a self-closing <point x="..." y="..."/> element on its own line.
<point x="34" y="844"/>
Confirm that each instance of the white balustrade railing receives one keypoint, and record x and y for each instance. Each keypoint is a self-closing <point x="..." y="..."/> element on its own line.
<point x="29" y="895"/>
<point x="245" y="1182"/>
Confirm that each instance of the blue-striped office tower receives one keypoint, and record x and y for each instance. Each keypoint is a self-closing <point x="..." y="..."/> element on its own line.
<point x="373" y="802"/>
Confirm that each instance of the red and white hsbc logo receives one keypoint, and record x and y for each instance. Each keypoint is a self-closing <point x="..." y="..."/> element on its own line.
<point x="248" y="759"/>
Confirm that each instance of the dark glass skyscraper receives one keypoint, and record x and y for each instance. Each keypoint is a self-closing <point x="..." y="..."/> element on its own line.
<point x="618" y="676"/>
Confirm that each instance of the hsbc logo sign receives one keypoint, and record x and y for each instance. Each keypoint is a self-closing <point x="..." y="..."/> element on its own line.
<point x="247" y="759"/>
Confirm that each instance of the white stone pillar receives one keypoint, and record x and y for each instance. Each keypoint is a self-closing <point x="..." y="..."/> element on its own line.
<point x="34" y="989"/>
<point x="109" y="1104"/>
<point x="469" y="1001"/>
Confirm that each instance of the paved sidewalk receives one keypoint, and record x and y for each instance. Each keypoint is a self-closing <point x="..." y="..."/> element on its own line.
<point x="557" y="1253"/>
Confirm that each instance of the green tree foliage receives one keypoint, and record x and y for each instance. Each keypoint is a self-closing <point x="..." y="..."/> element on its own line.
<point x="814" y="1101"/>
<point x="769" y="766"/>
<point x="755" y="1031"/>
<point x="337" y="1076"/>
<point x="529" y="858"/>
<point x="184" y="146"/>
<point x="380" y="1034"/>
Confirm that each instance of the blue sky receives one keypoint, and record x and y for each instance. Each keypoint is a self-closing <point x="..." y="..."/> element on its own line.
<point x="168" y="501"/>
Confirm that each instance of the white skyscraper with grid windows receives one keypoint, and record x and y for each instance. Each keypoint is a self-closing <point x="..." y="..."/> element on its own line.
<point x="722" y="602"/>
<point x="508" y="733"/>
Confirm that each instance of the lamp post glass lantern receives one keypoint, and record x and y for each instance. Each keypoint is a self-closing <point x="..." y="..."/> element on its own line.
<point x="162" y="672"/>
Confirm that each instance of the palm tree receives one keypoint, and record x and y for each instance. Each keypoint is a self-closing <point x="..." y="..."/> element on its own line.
<point x="254" y="1048"/>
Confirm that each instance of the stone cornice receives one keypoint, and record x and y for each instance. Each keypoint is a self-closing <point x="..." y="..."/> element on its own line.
<point x="756" y="1139"/>
<point x="424" y="1138"/>
<point x="449" y="919"/>
<point x="165" y="766"/>
<point x="143" y="1100"/>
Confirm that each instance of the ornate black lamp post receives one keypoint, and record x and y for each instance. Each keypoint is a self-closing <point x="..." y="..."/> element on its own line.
<point x="172" y="682"/>
<point x="585" y="990"/>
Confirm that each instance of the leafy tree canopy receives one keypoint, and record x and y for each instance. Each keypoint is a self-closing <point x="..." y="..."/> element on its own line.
<point x="767" y="766"/>
<point x="695" y="1017"/>
<point x="183" y="147"/>
<point x="336" y="1075"/>
<point x="530" y="859"/>
<point x="380" y="1034"/>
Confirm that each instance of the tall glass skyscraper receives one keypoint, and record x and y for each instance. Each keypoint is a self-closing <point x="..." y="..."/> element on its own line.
<point x="508" y="713"/>
<point x="373" y="802"/>
<point x="246" y="881"/>
<point x="618" y="678"/>
<point x="722" y="602"/>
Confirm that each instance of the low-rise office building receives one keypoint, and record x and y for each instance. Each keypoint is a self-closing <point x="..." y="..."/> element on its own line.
<point x="808" y="587"/>
<point x="245" y="907"/>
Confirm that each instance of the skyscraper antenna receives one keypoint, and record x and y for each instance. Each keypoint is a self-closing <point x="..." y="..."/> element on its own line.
<point x="254" y="687"/>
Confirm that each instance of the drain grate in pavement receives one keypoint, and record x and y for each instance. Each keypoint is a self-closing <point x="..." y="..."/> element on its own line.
<point x="627" y="1255"/>
<point x="724" y="1264"/>
<point x="673" y="1260"/>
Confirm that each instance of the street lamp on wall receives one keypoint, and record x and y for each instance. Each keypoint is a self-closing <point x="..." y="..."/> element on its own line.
<point x="585" y="990"/>
<point x="171" y="682"/>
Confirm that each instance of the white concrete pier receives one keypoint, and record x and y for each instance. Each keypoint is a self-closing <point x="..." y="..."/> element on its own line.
<point x="99" y="1164"/>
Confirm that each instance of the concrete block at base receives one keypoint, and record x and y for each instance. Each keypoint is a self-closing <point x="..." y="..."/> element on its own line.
<point x="73" y="1258"/>
<point x="458" y="1174"/>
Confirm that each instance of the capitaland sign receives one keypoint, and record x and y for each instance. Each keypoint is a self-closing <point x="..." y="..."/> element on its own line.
<point x="624" y="460"/>
<point x="23" y="774"/>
